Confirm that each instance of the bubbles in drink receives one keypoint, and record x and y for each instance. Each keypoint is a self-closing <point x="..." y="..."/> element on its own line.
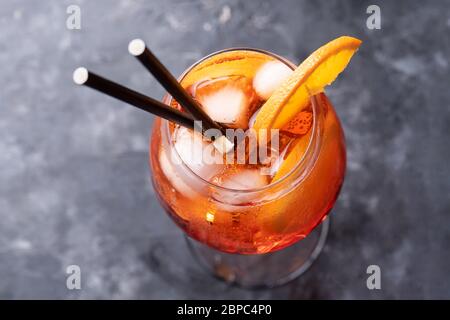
<point x="300" y="124"/>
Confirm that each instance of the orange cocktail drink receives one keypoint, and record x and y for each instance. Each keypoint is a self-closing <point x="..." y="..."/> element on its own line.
<point x="269" y="196"/>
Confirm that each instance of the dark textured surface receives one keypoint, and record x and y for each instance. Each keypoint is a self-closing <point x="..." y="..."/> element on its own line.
<point x="74" y="178"/>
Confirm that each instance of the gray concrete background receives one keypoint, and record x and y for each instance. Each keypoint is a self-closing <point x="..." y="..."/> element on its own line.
<point x="74" y="178"/>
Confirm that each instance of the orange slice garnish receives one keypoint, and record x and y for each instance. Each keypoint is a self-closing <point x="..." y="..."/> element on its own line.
<point x="319" y="70"/>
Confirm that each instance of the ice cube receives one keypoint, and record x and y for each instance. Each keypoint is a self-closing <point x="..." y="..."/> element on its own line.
<point x="241" y="179"/>
<point x="228" y="100"/>
<point x="198" y="154"/>
<point x="190" y="152"/>
<point x="244" y="179"/>
<point x="177" y="178"/>
<point x="269" y="77"/>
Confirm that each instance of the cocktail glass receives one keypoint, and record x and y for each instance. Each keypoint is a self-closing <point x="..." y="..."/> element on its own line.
<point x="262" y="236"/>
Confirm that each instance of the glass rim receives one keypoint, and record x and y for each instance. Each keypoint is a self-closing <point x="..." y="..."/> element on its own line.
<point x="289" y="174"/>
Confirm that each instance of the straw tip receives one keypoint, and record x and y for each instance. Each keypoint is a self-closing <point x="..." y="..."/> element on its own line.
<point x="136" y="47"/>
<point x="80" y="75"/>
<point x="223" y="145"/>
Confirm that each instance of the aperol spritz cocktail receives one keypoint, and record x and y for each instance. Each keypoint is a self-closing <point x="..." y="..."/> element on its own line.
<point x="244" y="207"/>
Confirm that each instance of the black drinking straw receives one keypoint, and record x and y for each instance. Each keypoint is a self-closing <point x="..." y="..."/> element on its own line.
<point x="82" y="76"/>
<point x="138" y="49"/>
